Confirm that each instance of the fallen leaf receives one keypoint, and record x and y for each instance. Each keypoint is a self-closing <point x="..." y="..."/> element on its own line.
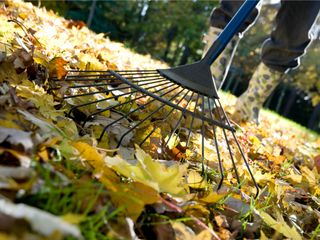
<point x="280" y="226"/>
<point x="40" y="221"/>
<point x="57" y="68"/>
<point x="152" y="173"/>
<point x="16" y="138"/>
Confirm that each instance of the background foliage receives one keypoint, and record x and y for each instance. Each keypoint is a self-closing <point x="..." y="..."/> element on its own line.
<point x="172" y="31"/>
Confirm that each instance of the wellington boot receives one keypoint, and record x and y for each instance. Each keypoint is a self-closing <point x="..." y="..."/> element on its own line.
<point x="219" y="69"/>
<point x="261" y="85"/>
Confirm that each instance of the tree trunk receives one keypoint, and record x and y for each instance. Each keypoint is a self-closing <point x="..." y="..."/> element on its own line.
<point x="185" y="55"/>
<point x="170" y="36"/>
<point x="280" y="99"/>
<point x="315" y="116"/>
<point x="91" y="13"/>
<point x="290" y="102"/>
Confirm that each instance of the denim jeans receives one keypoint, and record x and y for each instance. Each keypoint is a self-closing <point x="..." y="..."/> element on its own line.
<point x="290" y="36"/>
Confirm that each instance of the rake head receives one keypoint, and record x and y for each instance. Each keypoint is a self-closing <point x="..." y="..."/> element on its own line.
<point x="167" y="119"/>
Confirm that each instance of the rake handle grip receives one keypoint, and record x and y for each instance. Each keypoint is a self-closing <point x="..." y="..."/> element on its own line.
<point x="229" y="31"/>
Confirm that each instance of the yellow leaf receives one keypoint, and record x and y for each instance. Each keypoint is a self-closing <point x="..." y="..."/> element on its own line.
<point x="263" y="178"/>
<point x="195" y="180"/>
<point x="280" y="226"/>
<point x="91" y="155"/>
<point x="151" y="173"/>
<point x="132" y="196"/>
<point x="5" y="236"/>
<point x="293" y="177"/>
<point x="213" y="197"/>
<point x="38" y="96"/>
<point x="73" y="218"/>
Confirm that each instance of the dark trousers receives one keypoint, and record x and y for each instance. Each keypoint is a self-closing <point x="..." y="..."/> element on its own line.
<point x="290" y="36"/>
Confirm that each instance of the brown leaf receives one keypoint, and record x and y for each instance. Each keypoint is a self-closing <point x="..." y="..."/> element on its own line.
<point x="317" y="162"/>
<point x="77" y="24"/>
<point x="57" y="68"/>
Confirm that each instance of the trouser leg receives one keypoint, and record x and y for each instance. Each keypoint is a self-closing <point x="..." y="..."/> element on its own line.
<point x="290" y="37"/>
<point x="219" y="18"/>
<point x="221" y="15"/>
<point x="280" y="52"/>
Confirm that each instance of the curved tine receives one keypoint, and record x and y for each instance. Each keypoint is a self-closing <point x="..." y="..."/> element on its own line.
<point x="202" y="137"/>
<point x="146" y="76"/>
<point x="101" y="100"/>
<point x="140" y="107"/>
<point x="113" y="89"/>
<point x="177" y="124"/>
<point x="242" y="154"/>
<point x="229" y="148"/>
<point x="137" y="71"/>
<point x="164" y="118"/>
<point x="149" y="134"/>
<point x="97" y="101"/>
<point x="144" y="119"/>
<point x="91" y="77"/>
<point x="120" y="104"/>
<point x="191" y="124"/>
<point x="74" y="70"/>
<point x="142" y="90"/>
<point x="154" y="80"/>
<point x="217" y="149"/>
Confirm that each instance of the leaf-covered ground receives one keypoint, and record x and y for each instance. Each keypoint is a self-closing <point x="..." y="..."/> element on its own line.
<point x="58" y="184"/>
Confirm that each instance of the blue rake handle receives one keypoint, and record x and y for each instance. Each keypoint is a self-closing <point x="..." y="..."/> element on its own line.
<point x="229" y="31"/>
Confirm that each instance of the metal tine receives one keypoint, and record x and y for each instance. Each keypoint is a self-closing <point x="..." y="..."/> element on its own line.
<point x="72" y="77"/>
<point x="87" y="77"/>
<point x="114" y="89"/>
<point x="130" y="76"/>
<point x="177" y="124"/>
<point x="228" y="145"/>
<point x="97" y="101"/>
<point x="144" y="119"/>
<point x="146" y="81"/>
<point x="164" y="118"/>
<point x="241" y="152"/>
<point x="112" y="83"/>
<point x="202" y="137"/>
<point x="138" y="108"/>
<point x="191" y="124"/>
<point x="220" y="124"/>
<point x="217" y="148"/>
<point x="101" y="100"/>
<point x="137" y="71"/>
<point x="120" y="104"/>
<point x="107" y="76"/>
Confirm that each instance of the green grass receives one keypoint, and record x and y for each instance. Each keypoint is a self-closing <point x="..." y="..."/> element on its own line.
<point x="299" y="130"/>
<point x="84" y="197"/>
<point x="291" y="124"/>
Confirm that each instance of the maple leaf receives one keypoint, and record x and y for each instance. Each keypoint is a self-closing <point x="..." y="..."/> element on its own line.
<point x="152" y="173"/>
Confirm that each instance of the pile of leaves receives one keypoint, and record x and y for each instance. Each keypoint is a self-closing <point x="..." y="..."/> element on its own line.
<point x="56" y="183"/>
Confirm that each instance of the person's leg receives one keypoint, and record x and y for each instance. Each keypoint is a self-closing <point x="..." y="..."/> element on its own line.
<point x="290" y="37"/>
<point x="221" y="15"/>
<point x="219" y="18"/>
<point x="280" y="52"/>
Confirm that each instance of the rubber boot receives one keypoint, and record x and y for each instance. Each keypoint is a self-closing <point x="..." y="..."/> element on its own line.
<point x="220" y="67"/>
<point x="261" y="85"/>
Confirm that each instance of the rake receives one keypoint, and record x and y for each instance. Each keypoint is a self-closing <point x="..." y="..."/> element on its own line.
<point x="173" y="110"/>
